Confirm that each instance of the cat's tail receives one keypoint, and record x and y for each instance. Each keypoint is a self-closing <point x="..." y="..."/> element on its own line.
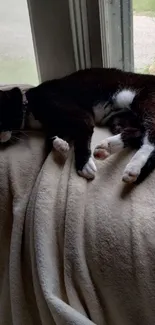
<point x="147" y="169"/>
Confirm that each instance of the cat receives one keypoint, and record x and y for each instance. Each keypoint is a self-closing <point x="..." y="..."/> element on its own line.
<point x="70" y="107"/>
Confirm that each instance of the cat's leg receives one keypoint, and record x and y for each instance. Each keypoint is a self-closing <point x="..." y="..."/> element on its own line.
<point x="79" y="127"/>
<point x="84" y="163"/>
<point x="130" y="137"/>
<point x="139" y="160"/>
<point x="143" y="162"/>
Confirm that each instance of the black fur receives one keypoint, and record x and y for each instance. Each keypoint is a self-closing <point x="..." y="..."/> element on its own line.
<point x="56" y="108"/>
<point x="147" y="169"/>
<point x="11" y="112"/>
<point x="65" y="108"/>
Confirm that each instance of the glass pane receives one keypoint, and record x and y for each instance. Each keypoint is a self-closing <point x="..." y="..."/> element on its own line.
<point x="144" y="35"/>
<point x="17" y="60"/>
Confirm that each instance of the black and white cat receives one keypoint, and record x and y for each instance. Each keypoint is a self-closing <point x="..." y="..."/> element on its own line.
<point x="69" y="108"/>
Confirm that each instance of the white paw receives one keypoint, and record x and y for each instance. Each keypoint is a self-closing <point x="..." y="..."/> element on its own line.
<point x="108" y="146"/>
<point x="102" y="151"/>
<point x="60" y="145"/>
<point x="131" y="173"/>
<point x="88" y="170"/>
<point x="5" y="136"/>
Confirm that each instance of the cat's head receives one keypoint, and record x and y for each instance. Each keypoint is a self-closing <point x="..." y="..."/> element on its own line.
<point x="11" y="113"/>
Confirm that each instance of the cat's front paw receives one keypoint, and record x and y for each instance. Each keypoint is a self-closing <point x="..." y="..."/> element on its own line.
<point x="89" y="170"/>
<point x="108" y="147"/>
<point x="60" y="145"/>
<point x="131" y="173"/>
<point x="102" y="151"/>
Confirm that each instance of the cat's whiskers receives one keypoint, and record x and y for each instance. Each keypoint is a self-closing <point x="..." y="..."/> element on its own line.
<point x="17" y="138"/>
<point x="21" y="132"/>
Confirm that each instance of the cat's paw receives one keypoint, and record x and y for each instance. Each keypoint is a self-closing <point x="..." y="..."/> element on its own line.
<point x="102" y="151"/>
<point x="108" y="147"/>
<point x="60" y="145"/>
<point x="89" y="170"/>
<point x="131" y="173"/>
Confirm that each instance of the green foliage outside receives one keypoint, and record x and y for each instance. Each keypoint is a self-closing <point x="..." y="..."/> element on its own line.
<point x="146" y="7"/>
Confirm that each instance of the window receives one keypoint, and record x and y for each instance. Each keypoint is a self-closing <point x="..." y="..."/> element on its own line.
<point x="17" y="60"/>
<point x="144" y="35"/>
<point x="73" y="34"/>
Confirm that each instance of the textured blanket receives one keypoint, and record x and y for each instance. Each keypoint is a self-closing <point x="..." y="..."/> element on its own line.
<point x="73" y="251"/>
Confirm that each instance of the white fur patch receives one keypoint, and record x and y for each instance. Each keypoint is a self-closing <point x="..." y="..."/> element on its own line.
<point x="124" y="98"/>
<point x="133" y="169"/>
<point x="5" y="136"/>
<point x="60" y="145"/>
<point x="108" y="146"/>
<point x="88" y="170"/>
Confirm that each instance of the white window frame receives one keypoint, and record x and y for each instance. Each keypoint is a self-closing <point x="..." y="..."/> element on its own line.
<point x="116" y="20"/>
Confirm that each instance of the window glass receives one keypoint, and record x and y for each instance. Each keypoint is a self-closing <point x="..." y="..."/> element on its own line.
<point x="17" y="60"/>
<point x="144" y="35"/>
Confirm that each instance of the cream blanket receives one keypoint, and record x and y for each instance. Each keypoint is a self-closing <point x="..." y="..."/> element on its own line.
<point x="72" y="251"/>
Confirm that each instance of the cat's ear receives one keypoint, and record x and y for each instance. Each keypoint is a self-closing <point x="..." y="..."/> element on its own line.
<point x="2" y="96"/>
<point x="14" y="95"/>
<point x="1" y="93"/>
<point x="15" y="92"/>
